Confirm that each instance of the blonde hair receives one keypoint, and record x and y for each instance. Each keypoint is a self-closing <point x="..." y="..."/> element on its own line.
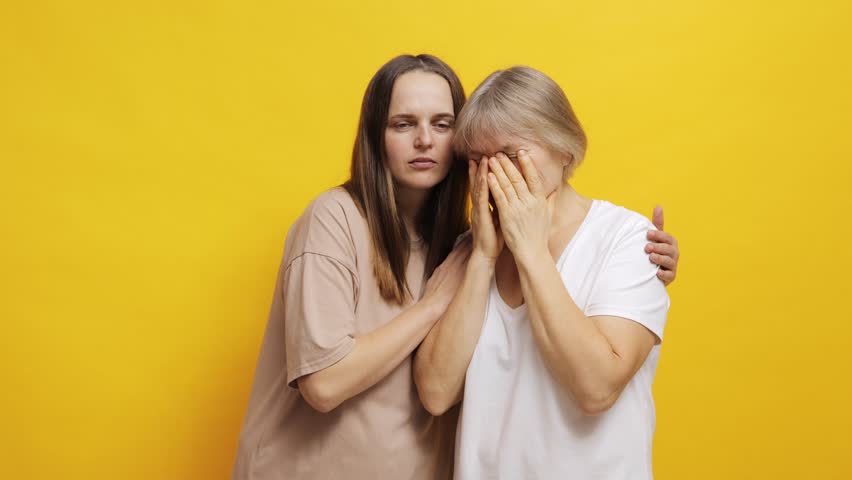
<point x="521" y="101"/>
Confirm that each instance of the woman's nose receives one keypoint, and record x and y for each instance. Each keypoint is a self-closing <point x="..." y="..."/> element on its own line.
<point x="424" y="138"/>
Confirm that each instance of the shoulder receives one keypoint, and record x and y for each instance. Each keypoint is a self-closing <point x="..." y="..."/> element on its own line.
<point x="627" y="286"/>
<point x="331" y="204"/>
<point x="618" y="223"/>
<point x="326" y="227"/>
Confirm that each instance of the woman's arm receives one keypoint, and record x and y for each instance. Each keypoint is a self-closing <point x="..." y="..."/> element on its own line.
<point x="379" y="352"/>
<point x="442" y="360"/>
<point x="594" y="357"/>
<point x="372" y="358"/>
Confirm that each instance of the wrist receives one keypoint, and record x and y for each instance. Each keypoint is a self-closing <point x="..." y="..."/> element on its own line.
<point x="528" y="258"/>
<point x="479" y="260"/>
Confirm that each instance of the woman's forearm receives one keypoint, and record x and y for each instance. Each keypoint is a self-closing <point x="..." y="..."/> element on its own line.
<point x="575" y="350"/>
<point x="442" y="359"/>
<point x="374" y="356"/>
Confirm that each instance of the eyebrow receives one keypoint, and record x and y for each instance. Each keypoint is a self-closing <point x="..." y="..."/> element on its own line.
<point x="444" y="115"/>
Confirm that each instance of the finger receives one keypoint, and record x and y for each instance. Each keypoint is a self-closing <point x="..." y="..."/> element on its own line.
<point x="497" y="192"/>
<point x="664" y="261"/>
<point x="472" y="170"/>
<point x="476" y="184"/>
<point x="515" y="177"/>
<point x="495" y="219"/>
<point x="667" y="276"/>
<point x="471" y="176"/>
<point x="483" y="209"/>
<point x="503" y="183"/>
<point x="662" y="249"/>
<point x="483" y="183"/>
<point x="658" y="217"/>
<point x="660" y="236"/>
<point x="530" y="173"/>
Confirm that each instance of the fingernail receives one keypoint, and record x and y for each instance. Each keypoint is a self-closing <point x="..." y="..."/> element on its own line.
<point x="522" y="152"/>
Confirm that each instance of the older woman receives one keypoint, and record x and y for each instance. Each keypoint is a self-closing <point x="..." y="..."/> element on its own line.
<point x="553" y="337"/>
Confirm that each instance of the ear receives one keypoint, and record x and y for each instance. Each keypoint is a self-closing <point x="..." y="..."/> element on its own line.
<point x="567" y="159"/>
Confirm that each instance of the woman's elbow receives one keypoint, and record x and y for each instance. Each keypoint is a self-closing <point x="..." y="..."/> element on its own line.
<point x="595" y="403"/>
<point x="594" y="407"/>
<point x="318" y="395"/>
<point x="435" y="404"/>
<point x="431" y="396"/>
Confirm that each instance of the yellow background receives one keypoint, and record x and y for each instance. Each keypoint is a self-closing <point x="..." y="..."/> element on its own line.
<point x="154" y="155"/>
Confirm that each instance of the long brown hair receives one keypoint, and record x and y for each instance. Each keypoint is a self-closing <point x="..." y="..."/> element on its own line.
<point x="443" y="216"/>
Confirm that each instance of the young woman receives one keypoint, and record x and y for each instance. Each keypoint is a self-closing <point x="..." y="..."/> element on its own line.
<point x="333" y="395"/>
<point x="553" y="338"/>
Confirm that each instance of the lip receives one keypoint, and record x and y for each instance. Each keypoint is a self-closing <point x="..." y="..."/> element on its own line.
<point x="423" y="163"/>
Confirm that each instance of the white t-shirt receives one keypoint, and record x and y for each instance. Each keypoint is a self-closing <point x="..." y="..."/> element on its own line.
<point x="516" y="421"/>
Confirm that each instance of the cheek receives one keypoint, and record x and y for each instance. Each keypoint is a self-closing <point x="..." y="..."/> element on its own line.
<point x="551" y="175"/>
<point x="444" y="145"/>
<point x="396" y="148"/>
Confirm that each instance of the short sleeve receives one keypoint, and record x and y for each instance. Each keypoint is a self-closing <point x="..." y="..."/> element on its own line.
<point x="319" y="295"/>
<point x="628" y="286"/>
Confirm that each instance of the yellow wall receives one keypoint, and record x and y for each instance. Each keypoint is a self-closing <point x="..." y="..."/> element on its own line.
<point x="154" y="155"/>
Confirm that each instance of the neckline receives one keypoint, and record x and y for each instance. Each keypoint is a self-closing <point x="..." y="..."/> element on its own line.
<point x="522" y="308"/>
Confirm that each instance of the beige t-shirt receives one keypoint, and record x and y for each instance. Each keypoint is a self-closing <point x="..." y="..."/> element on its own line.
<point x="325" y="296"/>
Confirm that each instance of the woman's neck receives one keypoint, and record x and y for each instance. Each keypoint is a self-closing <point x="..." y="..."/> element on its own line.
<point x="569" y="207"/>
<point x="410" y="202"/>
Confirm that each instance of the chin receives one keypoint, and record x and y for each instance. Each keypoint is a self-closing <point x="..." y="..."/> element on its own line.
<point x="421" y="182"/>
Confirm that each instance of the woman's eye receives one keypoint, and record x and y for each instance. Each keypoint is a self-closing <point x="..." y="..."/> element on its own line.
<point x="443" y="126"/>
<point x="402" y="125"/>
